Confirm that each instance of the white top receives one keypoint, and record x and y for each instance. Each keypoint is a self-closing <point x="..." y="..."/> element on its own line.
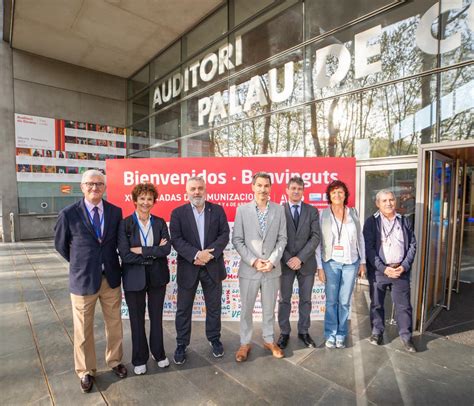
<point x="348" y="239"/>
<point x="146" y="231"/>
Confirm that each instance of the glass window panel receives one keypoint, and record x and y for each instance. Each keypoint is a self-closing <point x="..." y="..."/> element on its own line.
<point x="322" y="16"/>
<point x="457" y="104"/>
<point x="167" y="126"/>
<point x="271" y="34"/>
<point x="244" y="9"/>
<point x="279" y="134"/>
<point x="208" y="144"/>
<point x="454" y="27"/>
<point x="167" y="91"/>
<point x="165" y="62"/>
<point x="139" y="81"/>
<point x="401" y="181"/>
<point x="364" y="55"/>
<point x="212" y="104"/>
<point x="138" y="140"/>
<point x="141" y="106"/>
<point x="395" y="119"/>
<point x="207" y="31"/>
<point x="338" y="122"/>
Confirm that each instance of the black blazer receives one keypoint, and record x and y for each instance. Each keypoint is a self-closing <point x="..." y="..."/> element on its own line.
<point x="77" y="242"/>
<point x="185" y="240"/>
<point x="302" y="242"/>
<point x="134" y="276"/>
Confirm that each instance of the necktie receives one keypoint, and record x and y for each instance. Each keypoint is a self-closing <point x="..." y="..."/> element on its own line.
<point x="296" y="215"/>
<point x="96" y="222"/>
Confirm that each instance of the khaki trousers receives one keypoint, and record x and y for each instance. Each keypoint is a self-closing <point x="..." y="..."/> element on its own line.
<point x="83" y="308"/>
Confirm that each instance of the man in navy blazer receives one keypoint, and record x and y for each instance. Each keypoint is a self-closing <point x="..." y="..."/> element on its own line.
<point x="199" y="234"/>
<point x="390" y="248"/>
<point x="86" y="236"/>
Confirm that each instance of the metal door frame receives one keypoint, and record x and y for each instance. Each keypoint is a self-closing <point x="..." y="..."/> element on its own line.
<point x="421" y="218"/>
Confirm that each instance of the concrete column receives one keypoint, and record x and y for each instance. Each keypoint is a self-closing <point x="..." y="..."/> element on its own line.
<point x="8" y="187"/>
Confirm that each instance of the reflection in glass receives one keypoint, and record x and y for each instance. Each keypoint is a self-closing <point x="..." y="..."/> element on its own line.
<point x="380" y="49"/>
<point x="322" y="16"/>
<point x="166" y="130"/>
<point x="207" y="31"/>
<point x="244" y="9"/>
<point x="455" y="30"/>
<point x="279" y="134"/>
<point x="457" y="104"/>
<point x="271" y="34"/>
<point x="397" y="118"/>
<point x="401" y="181"/>
<point x="138" y="140"/>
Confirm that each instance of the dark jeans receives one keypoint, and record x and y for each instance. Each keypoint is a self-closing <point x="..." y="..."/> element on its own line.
<point x="184" y="312"/>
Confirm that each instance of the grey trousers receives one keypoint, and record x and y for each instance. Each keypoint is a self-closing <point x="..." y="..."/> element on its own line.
<point x="248" y="294"/>
<point x="305" y="289"/>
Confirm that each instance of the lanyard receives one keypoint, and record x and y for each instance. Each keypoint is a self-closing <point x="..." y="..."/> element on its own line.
<point x="145" y="236"/>
<point x="98" y="231"/>
<point x="391" y="230"/>
<point x="339" y="230"/>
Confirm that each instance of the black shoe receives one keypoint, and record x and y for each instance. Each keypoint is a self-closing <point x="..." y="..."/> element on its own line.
<point x="376" y="339"/>
<point x="217" y="348"/>
<point x="409" y="345"/>
<point x="180" y="354"/>
<point x="120" y="371"/>
<point x="283" y="341"/>
<point x="86" y="383"/>
<point x="307" y="340"/>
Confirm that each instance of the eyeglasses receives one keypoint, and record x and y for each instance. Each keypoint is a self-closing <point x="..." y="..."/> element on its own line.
<point x="91" y="185"/>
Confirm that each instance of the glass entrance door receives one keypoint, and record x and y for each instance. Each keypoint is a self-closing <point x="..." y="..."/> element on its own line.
<point x="440" y="220"/>
<point x="399" y="177"/>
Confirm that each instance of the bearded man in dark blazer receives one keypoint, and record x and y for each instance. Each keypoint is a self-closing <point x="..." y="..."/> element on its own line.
<point x="199" y="234"/>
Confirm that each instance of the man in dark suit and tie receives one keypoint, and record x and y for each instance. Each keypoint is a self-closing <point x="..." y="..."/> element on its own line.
<point x="199" y="234"/>
<point x="86" y="236"/>
<point x="298" y="261"/>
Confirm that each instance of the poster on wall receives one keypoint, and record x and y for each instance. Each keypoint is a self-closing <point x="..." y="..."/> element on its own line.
<point x="53" y="150"/>
<point x="228" y="183"/>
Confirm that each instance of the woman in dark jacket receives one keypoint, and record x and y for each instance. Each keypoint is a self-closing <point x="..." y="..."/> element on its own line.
<point x="144" y="244"/>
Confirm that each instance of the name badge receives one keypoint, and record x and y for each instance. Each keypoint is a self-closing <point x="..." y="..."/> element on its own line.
<point x="338" y="251"/>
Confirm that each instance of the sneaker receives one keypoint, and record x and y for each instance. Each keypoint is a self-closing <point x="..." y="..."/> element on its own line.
<point x="340" y="344"/>
<point x="409" y="345"/>
<point x="164" y="363"/>
<point x="140" y="370"/>
<point x="217" y="348"/>
<point x="330" y="344"/>
<point x="376" y="339"/>
<point x="180" y="354"/>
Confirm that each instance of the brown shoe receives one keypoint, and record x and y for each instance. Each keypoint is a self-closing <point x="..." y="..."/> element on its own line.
<point x="86" y="383"/>
<point x="243" y="352"/>
<point x="276" y="351"/>
<point x="120" y="371"/>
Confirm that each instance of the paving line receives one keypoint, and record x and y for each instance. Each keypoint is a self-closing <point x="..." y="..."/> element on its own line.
<point x="60" y="321"/>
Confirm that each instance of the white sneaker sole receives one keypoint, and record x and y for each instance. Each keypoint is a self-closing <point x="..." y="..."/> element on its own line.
<point x="216" y="355"/>
<point x="164" y="363"/>
<point x="139" y="371"/>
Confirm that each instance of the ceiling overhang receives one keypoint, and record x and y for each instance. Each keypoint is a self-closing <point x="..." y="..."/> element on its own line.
<point x="112" y="36"/>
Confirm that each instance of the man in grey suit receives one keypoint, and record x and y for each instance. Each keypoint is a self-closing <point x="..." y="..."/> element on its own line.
<point x="302" y="227"/>
<point x="259" y="237"/>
